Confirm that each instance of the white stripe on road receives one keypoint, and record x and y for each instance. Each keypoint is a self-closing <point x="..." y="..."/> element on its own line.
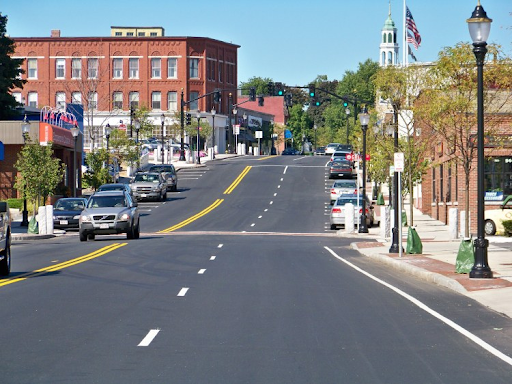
<point x="183" y="292"/>
<point x="282" y="179"/>
<point x="275" y="194"/>
<point x="259" y="217"/>
<point x="285" y="168"/>
<point x="213" y="257"/>
<point x="149" y="338"/>
<point x="278" y="186"/>
<point x="429" y="310"/>
<point x="253" y="224"/>
<point x="266" y="210"/>
<point x="271" y="202"/>
<point x="220" y="245"/>
<point x="201" y="272"/>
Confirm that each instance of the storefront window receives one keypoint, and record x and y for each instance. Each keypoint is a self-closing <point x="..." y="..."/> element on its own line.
<point x="498" y="178"/>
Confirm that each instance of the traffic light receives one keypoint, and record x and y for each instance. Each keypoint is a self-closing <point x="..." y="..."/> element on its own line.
<point x="288" y="99"/>
<point x="216" y="97"/>
<point x="279" y="91"/>
<point x="317" y="103"/>
<point x="312" y="92"/>
<point x="261" y="101"/>
<point x="345" y="104"/>
<point x="270" y="88"/>
<point x="188" y="119"/>
<point x="252" y="94"/>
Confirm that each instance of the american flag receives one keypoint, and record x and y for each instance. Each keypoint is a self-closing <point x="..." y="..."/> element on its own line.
<point x="410" y="52"/>
<point x="411" y="26"/>
<point x="412" y="40"/>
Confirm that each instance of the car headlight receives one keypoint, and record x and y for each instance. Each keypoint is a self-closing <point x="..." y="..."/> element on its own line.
<point x="76" y="217"/>
<point x="155" y="189"/>
<point x="124" y="217"/>
<point x="85" y="218"/>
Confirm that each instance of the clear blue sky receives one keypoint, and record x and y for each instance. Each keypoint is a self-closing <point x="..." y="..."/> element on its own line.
<point x="288" y="41"/>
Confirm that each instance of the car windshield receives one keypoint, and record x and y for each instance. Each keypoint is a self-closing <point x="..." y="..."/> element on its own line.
<point x="161" y="168"/>
<point x="118" y="187"/>
<point x="345" y="184"/>
<point x="69" y="205"/>
<point x="147" y="178"/>
<point x="340" y="164"/>
<point x="351" y="200"/>
<point x="106" y="201"/>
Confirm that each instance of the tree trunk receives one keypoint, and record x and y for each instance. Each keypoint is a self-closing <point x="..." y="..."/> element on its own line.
<point x="411" y="201"/>
<point x="466" y="207"/>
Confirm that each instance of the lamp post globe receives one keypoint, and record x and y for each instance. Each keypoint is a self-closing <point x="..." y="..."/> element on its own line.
<point x="479" y="28"/>
<point x="364" y="119"/>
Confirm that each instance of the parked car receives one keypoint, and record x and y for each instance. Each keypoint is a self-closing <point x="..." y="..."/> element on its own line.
<point x="320" y="151"/>
<point x="115" y="187"/>
<point x="343" y="187"/>
<point x="344" y="147"/>
<point x="337" y="216"/>
<point x="109" y="212"/>
<point x="149" y="185"/>
<point x="494" y="218"/>
<point x="341" y="168"/>
<point x="289" y="151"/>
<point x="5" y="239"/>
<point x="330" y="148"/>
<point x="169" y="173"/>
<point x="66" y="212"/>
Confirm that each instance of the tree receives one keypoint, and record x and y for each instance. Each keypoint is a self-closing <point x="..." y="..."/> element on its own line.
<point x="299" y="123"/>
<point x="10" y="73"/>
<point x="259" y="83"/>
<point x="39" y="172"/>
<point x="96" y="174"/>
<point x="447" y="106"/>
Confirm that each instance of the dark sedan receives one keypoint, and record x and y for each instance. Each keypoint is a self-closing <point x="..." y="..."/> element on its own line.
<point x="66" y="212"/>
<point x="340" y="168"/>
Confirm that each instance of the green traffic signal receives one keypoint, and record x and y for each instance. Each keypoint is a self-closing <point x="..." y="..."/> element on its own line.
<point x="345" y="104"/>
<point x="317" y="103"/>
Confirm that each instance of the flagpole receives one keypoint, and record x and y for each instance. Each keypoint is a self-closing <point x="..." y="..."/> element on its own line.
<point x="404" y="40"/>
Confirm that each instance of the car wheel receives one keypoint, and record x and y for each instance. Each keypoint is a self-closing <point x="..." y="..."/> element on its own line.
<point x="333" y="226"/>
<point x="489" y="227"/>
<point x="130" y="234"/>
<point x="175" y="187"/>
<point x="5" y="264"/>
<point x="83" y="236"/>
<point x="165" y="196"/>
<point x="136" y="233"/>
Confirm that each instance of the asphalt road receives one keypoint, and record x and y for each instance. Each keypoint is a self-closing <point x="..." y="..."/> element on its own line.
<point x="236" y="279"/>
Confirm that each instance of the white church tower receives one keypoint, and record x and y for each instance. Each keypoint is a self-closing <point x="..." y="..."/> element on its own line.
<point x="388" y="45"/>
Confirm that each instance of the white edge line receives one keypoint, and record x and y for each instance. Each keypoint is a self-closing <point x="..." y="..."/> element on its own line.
<point x="149" y="338"/>
<point x="183" y="292"/>
<point x="450" y="323"/>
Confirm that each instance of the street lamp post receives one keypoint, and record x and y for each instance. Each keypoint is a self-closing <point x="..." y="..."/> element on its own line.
<point x="198" y="115"/>
<point x="244" y="116"/>
<point x="162" y="147"/>
<point x="364" y="118"/>
<point x="213" y="112"/>
<point x="182" y="128"/>
<point x="137" y="128"/>
<point x="107" y="136"/>
<point x="25" y="129"/>
<point x="235" y="111"/>
<point x="396" y="243"/>
<point x="479" y="28"/>
<point x="315" y="127"/>
<point x="75" y="132"/>
<point x="347" y="112"/>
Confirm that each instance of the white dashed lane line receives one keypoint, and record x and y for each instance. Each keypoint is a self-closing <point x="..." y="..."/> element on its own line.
<point x="183" y="292"/>
<point x="149" y="338"/>
<point x="201" y="272"/>
<point x="213" y="258"/>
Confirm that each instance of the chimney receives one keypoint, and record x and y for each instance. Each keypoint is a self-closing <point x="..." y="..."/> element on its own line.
<point x="55" y="33"/>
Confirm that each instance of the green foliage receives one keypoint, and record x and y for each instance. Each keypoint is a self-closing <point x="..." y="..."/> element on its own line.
<point x="359" y="83"/>
<point x="299" y="123"/>
<point x="259" y="83"/>
<point x="15" y="203"/>
<point x="40" y="172"/>
<point x="97" y="174"/>
<point x="507" y="225"/>
<point x="10" y="70"/>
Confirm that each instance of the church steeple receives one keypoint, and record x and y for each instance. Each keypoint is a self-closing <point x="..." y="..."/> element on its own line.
<point x="388" y="45"/>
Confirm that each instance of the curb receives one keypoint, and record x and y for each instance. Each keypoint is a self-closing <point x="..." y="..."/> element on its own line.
<point x="415" y="271"/>
<point x="15" y="237"/>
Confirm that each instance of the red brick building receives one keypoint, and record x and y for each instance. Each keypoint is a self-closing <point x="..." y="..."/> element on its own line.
<point x="134" y="67"/>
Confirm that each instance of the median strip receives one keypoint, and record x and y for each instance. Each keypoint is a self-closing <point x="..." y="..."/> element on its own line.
<point x="65" y="264"/>
<point x="215" y="204"/>
<point x="237" y="180"/>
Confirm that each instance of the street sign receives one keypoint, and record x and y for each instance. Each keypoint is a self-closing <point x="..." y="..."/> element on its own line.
<point x="399" y="162"/>
<point x="259" y="134"/>
<point x="236" y="129"/>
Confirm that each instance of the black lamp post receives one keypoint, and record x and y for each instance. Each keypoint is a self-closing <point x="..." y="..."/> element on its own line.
<point x="396" y="243"/>
<point x="235" y="112"/>
<point x="107" y="136"/>
<point x="364" y="118"/>
<point x="315" y="127"/>
<point x="25" y="129"/>
<point x="137" y="128"/>
<point x="75" y="131"/>
<point x="182" y="128"/>
<point x="347" y="112"/>
<point x="244" y="116"/>
<point x="132" y="112"/>
<point x="479" y="27"/>
<point x="162" y="147"/>
<point x="213" y="112"/>
<point x="198" y="115"/>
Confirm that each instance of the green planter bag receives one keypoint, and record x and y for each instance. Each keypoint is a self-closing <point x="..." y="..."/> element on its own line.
<point x="465" y="257"/>
<point x="414" y="245"/>
<point x="33" y="226"/>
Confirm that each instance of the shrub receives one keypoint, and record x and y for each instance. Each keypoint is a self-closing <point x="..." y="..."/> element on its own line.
<point x="507" y="225"/>
<point x="15" y="203"/>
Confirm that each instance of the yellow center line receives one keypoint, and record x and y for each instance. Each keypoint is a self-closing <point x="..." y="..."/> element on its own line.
<point x="193" y="218"/>
<point x="65" y="264"/>
<point x="267" y="157"/>
<point x="237" y="180"/>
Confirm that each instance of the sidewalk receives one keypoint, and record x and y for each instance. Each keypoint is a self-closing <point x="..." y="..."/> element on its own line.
<point x="437" y="263"/>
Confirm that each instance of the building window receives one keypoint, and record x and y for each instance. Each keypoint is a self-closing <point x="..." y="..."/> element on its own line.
<point x="172" y="68"/>
<point x="119" y="33"/>
<point x="156" y="100"/>
<point x="60" y="100"/>
<point x="60" y="68"/>
<point x="441" y="181"/>
<point x="134" y="100"/>
<point x="76" y="97"/>
<point x="93" y="100"/>
<point x="449" y="185"/>
<point x="92" y="68"/>
<point x="129" y="33"/>
<point x="193" y="68"/>
<point x="434" y="185"/>
<point x="117" y="68"/>
<point x="194" y="105"/>
<point x="456" y="183"/>
<point x="32" y="68"/>
<point x="133" y="65"/>
<point x="152" y="34"/>
<point x="156" y="68"/>
<point x="117" y="100"/>
<point x="76" y="68"/>
<point x="172" y="101"/>
<point x="221" y="66"/>
<point x="142" y="34"/>
<point x="32" y="99"/>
